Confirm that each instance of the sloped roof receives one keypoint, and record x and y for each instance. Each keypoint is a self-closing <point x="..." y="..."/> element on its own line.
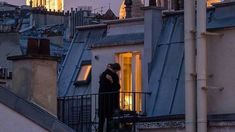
<point x="109" y="15"/>
<point x="167" y="75"/>
<point x="221" y="16"/>
<point x="78" y="52"/>
<point x="4" y="4"/>
<point x="32" y="112"/>
<point x="166" y="81"/>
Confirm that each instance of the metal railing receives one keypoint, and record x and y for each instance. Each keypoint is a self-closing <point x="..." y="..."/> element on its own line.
<point x="81" y="112"/>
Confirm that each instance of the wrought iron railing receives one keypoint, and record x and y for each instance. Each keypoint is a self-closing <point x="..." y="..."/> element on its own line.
<point x="81" y="112"/>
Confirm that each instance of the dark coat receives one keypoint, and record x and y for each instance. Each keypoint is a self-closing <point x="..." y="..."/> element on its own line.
<point x="108" y="94"/>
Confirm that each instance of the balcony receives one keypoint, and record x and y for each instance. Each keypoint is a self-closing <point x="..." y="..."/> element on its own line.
<point x="81" y="112"/>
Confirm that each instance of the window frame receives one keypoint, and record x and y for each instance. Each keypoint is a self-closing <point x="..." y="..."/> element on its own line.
<point x="134" y="87"/>
<point x="88" y="80"/>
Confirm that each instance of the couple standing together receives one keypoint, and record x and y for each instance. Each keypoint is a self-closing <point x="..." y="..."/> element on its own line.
<point x="108" y="95"/>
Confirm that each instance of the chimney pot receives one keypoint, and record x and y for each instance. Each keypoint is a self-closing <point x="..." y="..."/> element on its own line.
<point x="38" y="47"/>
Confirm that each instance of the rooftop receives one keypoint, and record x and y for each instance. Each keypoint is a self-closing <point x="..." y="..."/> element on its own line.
<point x="32" y="112"/>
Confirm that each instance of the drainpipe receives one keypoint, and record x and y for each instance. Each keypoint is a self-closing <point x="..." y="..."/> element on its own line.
<point x="169" y="5"/>
<point x="201" y="67"/>
<point x="190" y="88"/>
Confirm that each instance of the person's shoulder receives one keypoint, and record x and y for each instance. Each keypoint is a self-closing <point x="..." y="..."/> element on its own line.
<point x="103" y="74"/>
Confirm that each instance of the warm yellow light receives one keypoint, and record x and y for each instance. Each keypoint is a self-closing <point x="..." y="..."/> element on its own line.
<point x="128" y="103"/>
<point x="122" y="11"/>
<point x="84" y="73"/>
<point x="57" y="5"/>
<point x="210" y="2"/>
<point x="130" y="80"/>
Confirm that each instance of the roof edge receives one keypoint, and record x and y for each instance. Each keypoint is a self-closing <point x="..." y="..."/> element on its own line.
<point x="94" y="26"/>
<point x="28" y="57"/>
<point x="94" y="46"/>
<point x="32" y="112"/>
<point x="128" y="20"/>
<point x="223" y="4"/>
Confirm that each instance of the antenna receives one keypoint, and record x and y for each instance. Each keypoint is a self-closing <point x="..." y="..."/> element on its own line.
<point x="101" y="9"/>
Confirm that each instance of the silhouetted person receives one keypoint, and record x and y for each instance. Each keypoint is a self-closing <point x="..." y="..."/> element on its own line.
<point x="108" y="94"/>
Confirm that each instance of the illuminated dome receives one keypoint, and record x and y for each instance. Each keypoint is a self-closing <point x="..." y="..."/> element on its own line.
<point x="135" y="10"/>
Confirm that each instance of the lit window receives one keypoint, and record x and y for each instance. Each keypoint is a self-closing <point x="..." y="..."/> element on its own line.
<point x="84" y="74"/>
<point x="130" y="80"/>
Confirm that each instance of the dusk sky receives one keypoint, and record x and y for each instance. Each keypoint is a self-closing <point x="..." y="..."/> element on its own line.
<point x="114" y="4"/>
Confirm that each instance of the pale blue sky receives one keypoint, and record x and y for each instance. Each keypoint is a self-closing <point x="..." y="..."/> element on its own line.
<point x="114" y="4"/>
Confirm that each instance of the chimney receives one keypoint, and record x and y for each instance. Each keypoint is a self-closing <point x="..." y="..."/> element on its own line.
<point x="31" y="3"/>
<point x="128" y="7"/>
<point x="152" y="29"/>
<point x="35" y="75"/>
<point x="152" y="3"/>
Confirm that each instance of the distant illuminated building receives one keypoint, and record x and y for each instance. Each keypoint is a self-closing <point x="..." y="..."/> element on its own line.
<point x="57" y="5"/>
<point x="210" y="2"/>
<point x="122" y="12"/>
<point x="135" y="9"/>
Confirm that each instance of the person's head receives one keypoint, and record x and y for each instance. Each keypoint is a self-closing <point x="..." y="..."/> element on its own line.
<point x="115" y="67"/>
<point x="109" y="66"/>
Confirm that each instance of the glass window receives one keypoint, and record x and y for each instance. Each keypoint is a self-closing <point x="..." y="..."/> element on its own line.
<point x="130" y="80"/>
<point x="84" y="73"/>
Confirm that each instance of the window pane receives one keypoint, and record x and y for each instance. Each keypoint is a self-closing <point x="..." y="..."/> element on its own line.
<point x="131" y="81"/>
<point x="84" y="73"/>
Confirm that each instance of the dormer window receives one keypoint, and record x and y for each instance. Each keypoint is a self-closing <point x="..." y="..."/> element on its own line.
<point x="84" y="74"/>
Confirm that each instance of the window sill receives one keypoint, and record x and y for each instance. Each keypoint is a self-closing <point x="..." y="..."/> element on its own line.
<point x="81" y="83"/>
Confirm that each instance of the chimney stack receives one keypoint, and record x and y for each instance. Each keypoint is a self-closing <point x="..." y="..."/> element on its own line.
<point x="152" y="29"/>
<point x="152" y="3"/>
<point x="128" y="7"/>
<point x="35" y="75"/>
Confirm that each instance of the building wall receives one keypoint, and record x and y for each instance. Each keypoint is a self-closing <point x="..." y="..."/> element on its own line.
<point x="210" y="129"/>
<point x="11" y="121"/>
<point x="35" y="81"/>
<point x="9" y="46"/>
<point x="106" y="56"/>
<point x="222" y="129"/>
<point x="58" y="40"/>
<point x="221" y="67"/>
<point x="47" y="19"/>
<point x="7" y="8"/>
<point x="125" y="28"/>
<point x="162" y="130"/>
